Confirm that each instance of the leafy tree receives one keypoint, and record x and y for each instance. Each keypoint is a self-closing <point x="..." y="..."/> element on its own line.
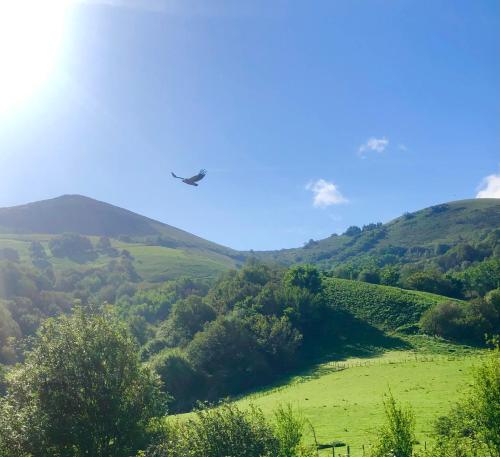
<point x="289" y="429"/>
<point x="483" y="403"/>
<point x="9" y="330"/>
<point x="353" y="230"/>
<point x="180" y="380"/>
<point x="483" y="277"/>
<point x="431" y="281"/>
<point x="369" y="275"/>
<point x="187" y="318"/>
<point x="471" y="428"/>
<point x="81" y="392"/>
<point x="305" y="277"/>
<point x="3" y="382"/>
<point x="228" y="353"/>
<point x="38" y="255"/>
<point x="278" y="339"/>
<point x="389" y="275"/>
<point x="227" y="431"/>
<point x="397" y="436"/>
<point x="466" y="322"/>
<point x="493" y="297"/>
<point x="73" y="246"/>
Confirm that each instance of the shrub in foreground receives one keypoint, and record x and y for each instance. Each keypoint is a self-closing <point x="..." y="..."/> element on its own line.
<point x="397" y="435"/>
<point x="472" y="428"/>
<point x="227" y="431"/>
<point x="82" y="391"/>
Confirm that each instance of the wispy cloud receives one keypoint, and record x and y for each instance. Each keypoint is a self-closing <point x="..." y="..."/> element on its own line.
<point x="489" y="187"/>
<point x="373" y="144"/>
<point x="325" y="193"/>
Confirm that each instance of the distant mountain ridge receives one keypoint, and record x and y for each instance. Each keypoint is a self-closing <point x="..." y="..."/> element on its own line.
<point x="433" y="228"/>
<point x="436" y="227"/>
<point x="86" y="216"/>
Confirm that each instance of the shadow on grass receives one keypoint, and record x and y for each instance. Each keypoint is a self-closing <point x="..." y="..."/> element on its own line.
<point x="346" y="337"/>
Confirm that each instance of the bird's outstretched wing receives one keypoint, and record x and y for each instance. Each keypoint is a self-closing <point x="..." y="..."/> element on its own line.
<point x="175" y="176"/>
<point x="198" y="177"/>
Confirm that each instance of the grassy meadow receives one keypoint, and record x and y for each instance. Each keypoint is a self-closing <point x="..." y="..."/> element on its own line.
<point x="153" y="263"/>
<point x="343" y="399"/>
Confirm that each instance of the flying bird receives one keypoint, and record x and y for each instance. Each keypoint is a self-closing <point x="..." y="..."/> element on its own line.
<point x="193" y="179"/>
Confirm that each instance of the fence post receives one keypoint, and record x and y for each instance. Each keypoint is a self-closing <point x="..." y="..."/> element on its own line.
<point x="333" y="451"/>
<point x="363" y="450"/>
<point x="348" y="451"/>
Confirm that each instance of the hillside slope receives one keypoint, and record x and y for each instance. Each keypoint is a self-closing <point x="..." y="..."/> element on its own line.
<point x="388" y="308"/>
<point x="160" y="251"/>
<point x="427" y="230"/>
<point x="86" y="216"/>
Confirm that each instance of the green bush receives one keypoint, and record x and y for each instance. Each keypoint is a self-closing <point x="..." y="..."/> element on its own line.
<point x="461" y="321"/>
<point x="81" y="392"/>
<point x="471" y="429"/>
<point x="180" y="380"/>
<point x="397" y="436"/>
<point x="227" y="431"/>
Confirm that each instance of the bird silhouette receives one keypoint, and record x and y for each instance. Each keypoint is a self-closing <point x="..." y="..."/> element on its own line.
<point x="193" y="179"/>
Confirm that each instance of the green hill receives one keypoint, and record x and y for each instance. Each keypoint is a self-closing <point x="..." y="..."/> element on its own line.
<point x="160" y="251"/>
<point x="386" y="307"/>
<point x="164" y="252"/>
<point x="86" y="216"/>
<point x="430" y="231"/>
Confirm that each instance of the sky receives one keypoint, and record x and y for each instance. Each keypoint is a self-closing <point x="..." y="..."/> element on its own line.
<point x="310" y="116"/>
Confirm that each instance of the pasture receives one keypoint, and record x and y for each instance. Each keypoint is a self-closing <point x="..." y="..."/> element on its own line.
<point x="153" y="263"/>
<point x="344" y="400"/>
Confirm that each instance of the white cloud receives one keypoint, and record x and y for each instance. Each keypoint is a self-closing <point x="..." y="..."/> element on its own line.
<point x="373" y="145"/>
<point x="490" y="187"/>
<point x="325" y="193"/>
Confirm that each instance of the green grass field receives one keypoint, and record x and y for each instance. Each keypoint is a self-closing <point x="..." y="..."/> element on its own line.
<point x="343" y="400"/>
<point x="153" y="263"/>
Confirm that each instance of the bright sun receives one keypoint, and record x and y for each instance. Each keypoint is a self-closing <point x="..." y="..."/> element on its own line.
<point x="31" y="34"/>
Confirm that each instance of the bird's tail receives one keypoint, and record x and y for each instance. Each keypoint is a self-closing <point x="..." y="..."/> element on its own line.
<point x="175" y="176"/>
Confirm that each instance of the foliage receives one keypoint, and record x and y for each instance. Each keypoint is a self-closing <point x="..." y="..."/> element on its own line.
<point x="187" y="317"/>
<point x="9" y="330"/>
<point x="72" y="245"/>
<point x="228" y="353"/>
<point x="421" y="238"/>
<point x="305" y="277"/>
<point x="353" y="230"/>
<point x="471" y="428"/>
<point x="180" y="380"/>
<point x="289" y="429"/>
<point x="462" y="321"/>
<point x="81" y="391"/>
<point x="432" y="281"/>
<point x="387" y="307"/>
<point x="227" y="431"/>
<point x="397" y="436"/>
<point x="483" y="277"/>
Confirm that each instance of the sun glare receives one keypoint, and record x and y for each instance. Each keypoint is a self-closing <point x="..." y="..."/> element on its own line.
<point x="31" y="34"/>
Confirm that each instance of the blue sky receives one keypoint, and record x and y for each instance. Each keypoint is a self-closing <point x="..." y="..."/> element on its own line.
<point x="308" y="116"/>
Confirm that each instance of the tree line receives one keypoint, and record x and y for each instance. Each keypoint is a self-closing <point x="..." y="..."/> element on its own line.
<point x="83" y="391"/>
